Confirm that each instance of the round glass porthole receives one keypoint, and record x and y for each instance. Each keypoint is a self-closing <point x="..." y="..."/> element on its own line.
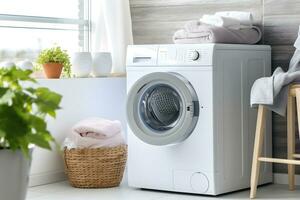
<point x="162" y="108"/>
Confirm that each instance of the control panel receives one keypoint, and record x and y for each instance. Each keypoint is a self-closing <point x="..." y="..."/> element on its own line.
<point x="171" y="54"/>
<point x="184" y="55"/>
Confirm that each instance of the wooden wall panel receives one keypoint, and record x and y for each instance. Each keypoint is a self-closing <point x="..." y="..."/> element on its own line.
<point x="155" y="21"/>
<point x="169" y="3"/>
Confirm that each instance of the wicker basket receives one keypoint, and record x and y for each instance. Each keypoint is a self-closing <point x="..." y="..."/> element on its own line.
<point x="95" y="168"/>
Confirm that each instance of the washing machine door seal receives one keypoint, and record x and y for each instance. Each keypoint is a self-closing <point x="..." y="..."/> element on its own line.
<point x="162" y="108"/>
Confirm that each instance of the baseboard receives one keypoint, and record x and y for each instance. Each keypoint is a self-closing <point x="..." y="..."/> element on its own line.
<point x="52" y="177"/>
<point x="283" y="178"/>
<point x="46" y="178"/>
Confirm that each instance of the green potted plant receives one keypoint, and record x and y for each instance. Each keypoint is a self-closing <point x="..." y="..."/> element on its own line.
<point x="55" y="60"/>
<point x="23" y="111"/>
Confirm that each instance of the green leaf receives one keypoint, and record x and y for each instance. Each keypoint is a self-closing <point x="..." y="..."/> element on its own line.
<point x="47" y="101"/>
<point x="11" y="122"/>
<point x="14" y="74"/>
<point x="23" y="75"/>
<point x="2" y="133"/>
<point x="6" y="96"/>
<point x="22" y="101"/>
<point x="41" y="140"/>
<point x="3" y="91"/>
<point x="24" y="143"/>
<point x="37" y="123"/>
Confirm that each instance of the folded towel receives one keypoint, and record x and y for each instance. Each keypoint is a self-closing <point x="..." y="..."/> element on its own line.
<point x="95" y="133"/>
<point x="273" y="91"/>
<point x="77" y="141"/>
<point x="97" y="127"/>
<point x="245" y="18"/>
<point x="196" y="32"/>
<point x="220" y="21"/>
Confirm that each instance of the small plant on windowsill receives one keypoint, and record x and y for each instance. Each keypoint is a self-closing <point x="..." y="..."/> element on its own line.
<point x="24" y="108"/>
<point x="55" y="60"/>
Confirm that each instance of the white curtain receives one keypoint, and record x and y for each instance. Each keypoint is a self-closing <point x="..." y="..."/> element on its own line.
<point x="111" y="30"/>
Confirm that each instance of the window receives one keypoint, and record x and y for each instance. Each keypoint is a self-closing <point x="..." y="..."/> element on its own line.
<point x="28" y="26"/>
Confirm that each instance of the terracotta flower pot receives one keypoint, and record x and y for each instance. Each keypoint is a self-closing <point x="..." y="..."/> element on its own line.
<point x="52" y="70"/>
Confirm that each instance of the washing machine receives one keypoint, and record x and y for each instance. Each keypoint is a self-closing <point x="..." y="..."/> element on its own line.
<point x="190" y="124"/>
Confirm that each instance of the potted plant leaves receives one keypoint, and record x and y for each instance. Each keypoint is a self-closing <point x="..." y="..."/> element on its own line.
<point x="23" y="111"/>
<point x="55" y="60"/>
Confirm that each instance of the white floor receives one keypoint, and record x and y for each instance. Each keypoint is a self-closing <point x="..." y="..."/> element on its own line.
<point x="63" y="191"/>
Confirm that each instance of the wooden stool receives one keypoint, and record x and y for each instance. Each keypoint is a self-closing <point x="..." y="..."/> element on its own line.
<point x="294" y="93"/>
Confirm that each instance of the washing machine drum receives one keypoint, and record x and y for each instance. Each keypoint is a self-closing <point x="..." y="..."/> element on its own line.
<point x="162" y="108"/>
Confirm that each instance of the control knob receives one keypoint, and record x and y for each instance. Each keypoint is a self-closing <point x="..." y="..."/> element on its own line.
<point x="194" y="55"/>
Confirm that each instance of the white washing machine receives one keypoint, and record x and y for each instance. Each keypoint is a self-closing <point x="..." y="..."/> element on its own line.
<point x="190" y="125"/>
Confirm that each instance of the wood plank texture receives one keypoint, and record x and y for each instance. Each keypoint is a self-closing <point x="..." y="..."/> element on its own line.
<point x="155" y="21"/>
<point x="159" y="3"/>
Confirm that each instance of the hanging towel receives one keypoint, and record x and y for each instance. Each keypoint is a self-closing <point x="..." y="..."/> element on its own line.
<point x="245" y="18"/>
<point x="221" y="21"/>
<point x="196" y="32"/>
<point x="273" y="91"/>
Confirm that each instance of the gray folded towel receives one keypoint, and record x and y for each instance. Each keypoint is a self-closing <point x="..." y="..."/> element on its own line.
<point x="273" y="91"/>
<point x="196" y="32"/>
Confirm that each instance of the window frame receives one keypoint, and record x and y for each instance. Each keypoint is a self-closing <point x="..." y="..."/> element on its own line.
<point x="83" y="22"/>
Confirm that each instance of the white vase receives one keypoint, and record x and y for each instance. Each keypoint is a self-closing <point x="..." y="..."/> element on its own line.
<point x="102" y="64"/>
<point x="7" y="64"/>
<point x="81" y="64"/>
<point x="25" y="65"/>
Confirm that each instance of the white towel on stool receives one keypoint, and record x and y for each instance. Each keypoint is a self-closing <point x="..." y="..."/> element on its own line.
<point x="272" y="91"/>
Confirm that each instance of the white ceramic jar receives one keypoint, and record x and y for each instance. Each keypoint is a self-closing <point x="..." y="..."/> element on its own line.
<point x="25" y="65"/>
<point x="81" y="64"/>
<point x="7" y="64"/>
<point x="102" y="64"/>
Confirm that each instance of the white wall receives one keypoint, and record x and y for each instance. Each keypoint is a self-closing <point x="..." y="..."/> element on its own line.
<point x="82" y="98"/>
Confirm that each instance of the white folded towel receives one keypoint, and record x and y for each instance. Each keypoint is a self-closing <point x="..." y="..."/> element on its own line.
<point x="195" y="32"/>
<point x="97" y="128"/>
<point x="245" y="18"/>
<point x="78" y="141"/>
<point x="95" y="133"/>
<point x="221" y="21"/>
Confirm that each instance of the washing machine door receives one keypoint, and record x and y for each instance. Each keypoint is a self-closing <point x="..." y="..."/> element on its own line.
<point x="162" y="108"/>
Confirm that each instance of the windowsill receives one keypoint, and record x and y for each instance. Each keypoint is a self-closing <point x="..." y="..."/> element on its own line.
<point x="119" y="75"/>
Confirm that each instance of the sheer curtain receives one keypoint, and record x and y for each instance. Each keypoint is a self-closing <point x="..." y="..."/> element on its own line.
<point x="111" y="30"/>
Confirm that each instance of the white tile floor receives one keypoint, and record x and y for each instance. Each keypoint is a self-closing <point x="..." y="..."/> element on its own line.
<point x="62" y="191"/>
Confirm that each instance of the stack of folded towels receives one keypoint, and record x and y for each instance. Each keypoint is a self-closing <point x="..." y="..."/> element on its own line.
<point x="232" y="27"/>
<point x="95" y="133"/>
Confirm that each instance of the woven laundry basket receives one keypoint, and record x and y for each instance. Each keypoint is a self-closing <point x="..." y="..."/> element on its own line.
<point x="95" y="168"/>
